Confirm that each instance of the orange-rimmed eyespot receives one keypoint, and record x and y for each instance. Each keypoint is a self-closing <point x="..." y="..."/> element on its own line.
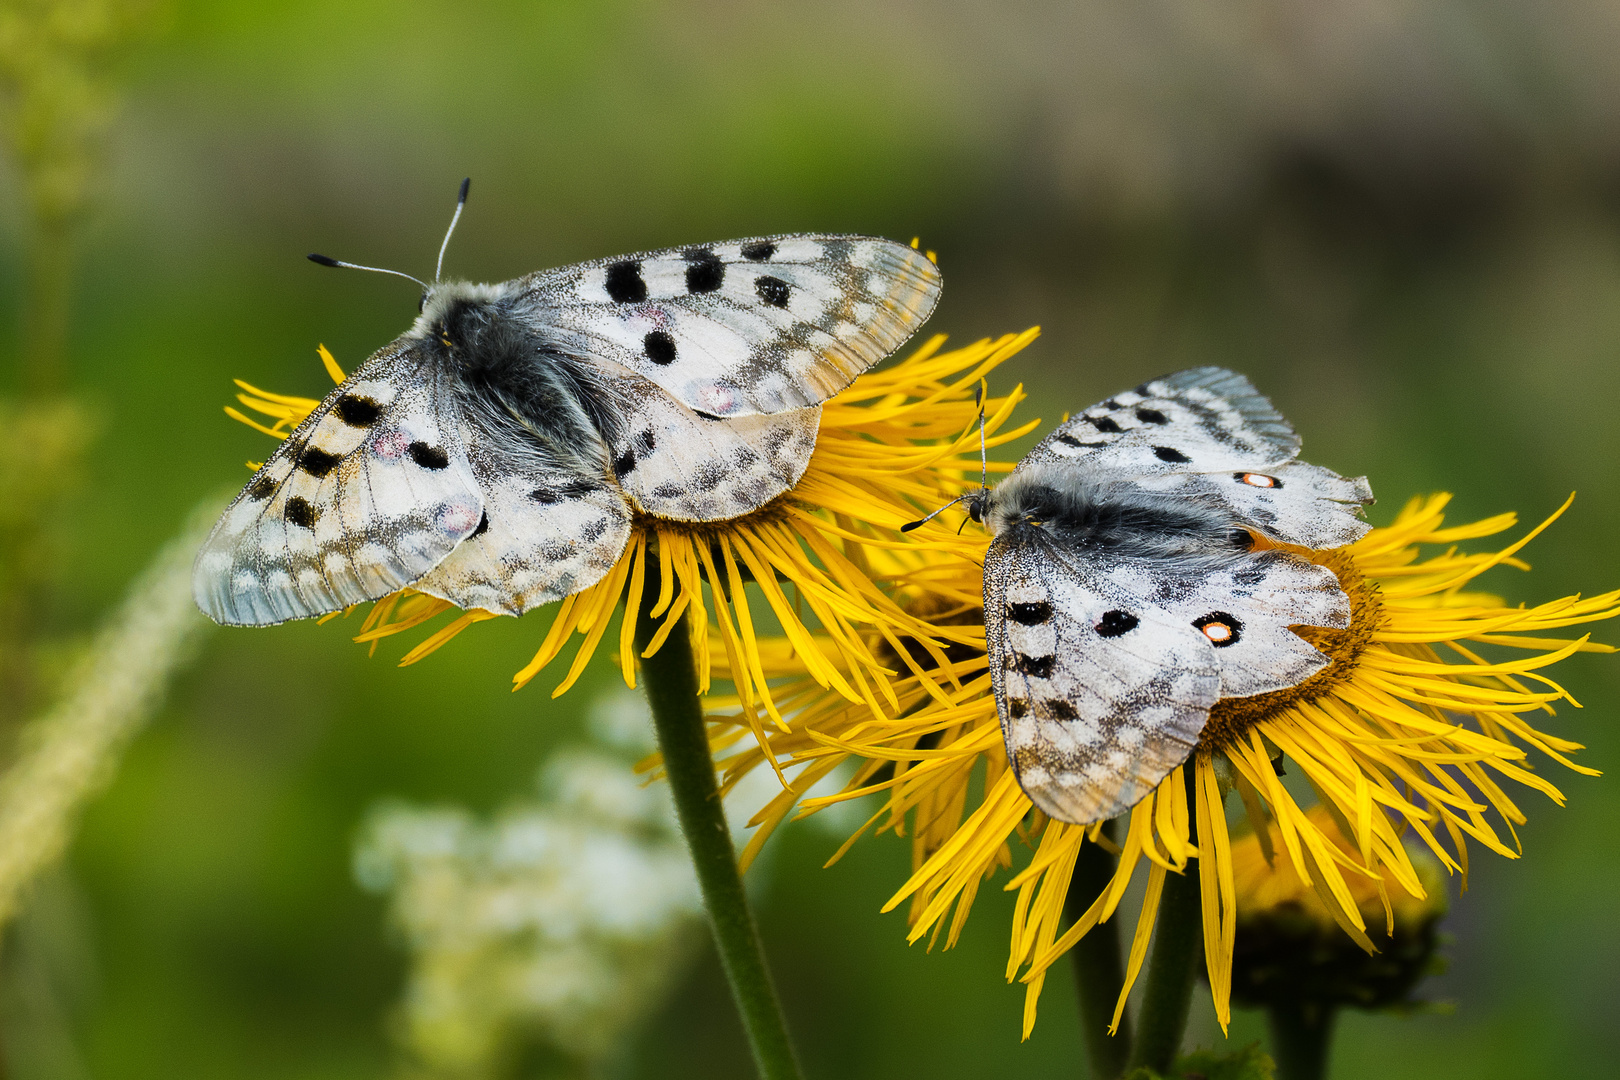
<point x="1254" y="479"/>
<point x="1221" y="628"/>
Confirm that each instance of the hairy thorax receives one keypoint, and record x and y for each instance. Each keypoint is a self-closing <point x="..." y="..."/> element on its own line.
<point x="512" y="380"/>
<point x="1072" y="511"/>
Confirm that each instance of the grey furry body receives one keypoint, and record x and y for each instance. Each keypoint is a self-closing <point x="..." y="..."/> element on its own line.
<point x="1069" y="509"/>
<point x="513" y="381"/>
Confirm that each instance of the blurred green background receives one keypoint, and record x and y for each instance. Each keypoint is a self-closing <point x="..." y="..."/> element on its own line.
<point x="1401" y="218"/>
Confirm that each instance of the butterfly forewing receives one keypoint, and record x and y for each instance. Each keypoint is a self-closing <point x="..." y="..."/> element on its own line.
<point x="744" y="327"/>
<point x="365" y="496"/>
<point x="1100" y="695"/>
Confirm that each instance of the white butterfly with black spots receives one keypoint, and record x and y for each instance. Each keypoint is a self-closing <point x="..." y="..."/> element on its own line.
<point x="495" y="453"/>
<point x="1123" y="596"/>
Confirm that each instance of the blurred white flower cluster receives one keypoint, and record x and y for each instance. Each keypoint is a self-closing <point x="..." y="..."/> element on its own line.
<point x="557" y="924"/>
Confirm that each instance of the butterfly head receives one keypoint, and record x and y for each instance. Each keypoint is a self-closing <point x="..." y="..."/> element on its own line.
<point x="977" y="503"/>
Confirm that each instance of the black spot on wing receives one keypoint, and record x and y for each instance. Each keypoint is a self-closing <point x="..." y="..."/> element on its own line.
<point x="1029" y="614"/>
<point x="317" y="462"/>
<point x="357" y="410"/>
<point x="1036" y="667"/>
<point x="1170" y="454"/>
<point x="659" y="347"/>
<point x="1017" y="708"/>
<point x="1114" y="623"/>
<point x="705" y="272"/>
<point x="1105" y="423"/>
<point x="708" y="476"/>
<point x="624" y="282"/>
<point x="624" y="464"/>
<point x="1059" y="709"/>
<point x="1069" y="440"/>
<point x="261" y="488"/>
<point x="759" y="251"/>
<point x="773" y="291"/>
<point x="1152" y="416"/>
<point x="429" y="457"/>
<point x="300" y="513"/>
<point x="646" y="441"/>
<point x="483" y="525"/>
<point x="570" y="490"/>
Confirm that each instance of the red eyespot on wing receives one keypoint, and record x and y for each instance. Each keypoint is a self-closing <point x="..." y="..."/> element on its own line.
<point x="1259" y="480"/>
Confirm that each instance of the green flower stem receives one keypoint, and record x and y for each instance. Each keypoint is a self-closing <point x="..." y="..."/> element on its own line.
<point x="1177" y="938"/>
<point x="1099" y="966"/>
<point x="670" y="679"/>
<point x="1300" y="1036"/>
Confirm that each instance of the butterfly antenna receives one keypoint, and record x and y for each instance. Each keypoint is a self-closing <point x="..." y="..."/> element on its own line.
<point x="327" y="260"/>
<point x="461" y="200"/>
<point x="984" y="461"/>
<point x="984" y="470"/>
<point x="908" y="526"/>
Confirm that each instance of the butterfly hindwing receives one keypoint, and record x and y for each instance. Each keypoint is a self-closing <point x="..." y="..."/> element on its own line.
<point x="672" y="463"/>
<point x="1295" y="503"/>
<point x="744" y="327"/>
<point x="365" y="496"/>
<point x="551" y="526"/>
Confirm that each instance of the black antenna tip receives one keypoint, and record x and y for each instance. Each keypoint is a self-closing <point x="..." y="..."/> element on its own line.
<point x="324" y="260"/>
<point x="465" y="184"/>
<point x="908" y="526"/>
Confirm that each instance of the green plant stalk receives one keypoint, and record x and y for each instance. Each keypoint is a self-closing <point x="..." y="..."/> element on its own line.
<point x="1300" y="1036"/>
<point x="1099" y="965"/>
<point x="1177" y="938"/>
<point x="670" y="680"/>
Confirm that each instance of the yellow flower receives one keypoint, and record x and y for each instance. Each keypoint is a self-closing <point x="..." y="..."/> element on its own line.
<point x="893" y="441"/>
<point x="1290" y="953"/>
<point x="1419" y="727"/>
